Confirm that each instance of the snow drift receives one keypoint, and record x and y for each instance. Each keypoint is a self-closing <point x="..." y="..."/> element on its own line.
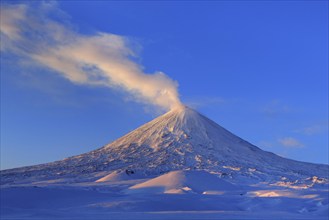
<point x="183" y="182"/>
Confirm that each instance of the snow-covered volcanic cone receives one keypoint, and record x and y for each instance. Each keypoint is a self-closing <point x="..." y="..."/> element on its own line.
<point x="181" y="139"/>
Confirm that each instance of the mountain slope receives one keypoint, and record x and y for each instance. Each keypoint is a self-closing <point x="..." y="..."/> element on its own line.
<point x="181" y="139"/>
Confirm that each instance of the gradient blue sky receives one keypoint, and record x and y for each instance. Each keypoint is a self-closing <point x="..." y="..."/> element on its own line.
<point x="257" y="68"/>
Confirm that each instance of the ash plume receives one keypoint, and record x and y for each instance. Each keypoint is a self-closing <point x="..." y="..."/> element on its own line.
<point x="41" y="34"/>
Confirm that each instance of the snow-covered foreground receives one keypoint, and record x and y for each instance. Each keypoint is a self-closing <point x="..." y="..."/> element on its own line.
<point x="175" y="195"/>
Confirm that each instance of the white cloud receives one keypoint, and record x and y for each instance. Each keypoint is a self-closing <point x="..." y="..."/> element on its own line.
<point x="102" y="59"/>
<point x="314" y="129"/>
<point x="290" y="142"/>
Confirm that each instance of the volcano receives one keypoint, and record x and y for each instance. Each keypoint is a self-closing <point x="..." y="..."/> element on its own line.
<point x="180" y="165"/>
<point x="181" y="139"/>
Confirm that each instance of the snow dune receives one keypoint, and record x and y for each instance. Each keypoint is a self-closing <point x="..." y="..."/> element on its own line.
<point x="177" y="182"/>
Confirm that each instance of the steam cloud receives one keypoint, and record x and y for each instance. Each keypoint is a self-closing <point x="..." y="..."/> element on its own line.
<point x="103" y="59"/>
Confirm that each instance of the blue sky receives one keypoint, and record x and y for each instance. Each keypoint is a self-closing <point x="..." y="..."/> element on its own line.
<point x="259" y="69"/>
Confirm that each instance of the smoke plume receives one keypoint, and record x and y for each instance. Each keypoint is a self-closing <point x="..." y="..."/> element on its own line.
<point x="41" y="35"/>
